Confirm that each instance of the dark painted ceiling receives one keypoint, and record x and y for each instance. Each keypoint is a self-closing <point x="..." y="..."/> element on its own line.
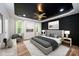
<point x="51" y="9"/>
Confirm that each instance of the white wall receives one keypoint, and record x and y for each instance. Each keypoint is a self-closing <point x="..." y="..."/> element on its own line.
<point x="12" y="28"/>
<point x="4" y="10"/>
<point x="31" y="25"/>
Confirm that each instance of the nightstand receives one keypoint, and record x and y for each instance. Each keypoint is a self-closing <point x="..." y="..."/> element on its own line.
<point x="68" y="41"/>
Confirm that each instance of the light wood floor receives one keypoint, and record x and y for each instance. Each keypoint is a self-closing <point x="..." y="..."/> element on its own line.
<point x="74" y="51"/>
<point x="23" y="51"/>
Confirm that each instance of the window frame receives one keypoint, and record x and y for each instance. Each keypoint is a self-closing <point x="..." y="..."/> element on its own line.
<point x="1" y="18"/>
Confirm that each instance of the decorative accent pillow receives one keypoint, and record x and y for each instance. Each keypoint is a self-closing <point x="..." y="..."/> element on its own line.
<point x="55" y="36"/>
<point x="58" y="36"/>
<point x="51" y="35"/>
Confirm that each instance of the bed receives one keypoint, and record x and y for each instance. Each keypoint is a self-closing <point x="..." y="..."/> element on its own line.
<point x="47" y="43"/>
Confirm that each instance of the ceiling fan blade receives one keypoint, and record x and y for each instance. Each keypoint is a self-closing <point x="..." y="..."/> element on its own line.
<point x="43" y="14"/>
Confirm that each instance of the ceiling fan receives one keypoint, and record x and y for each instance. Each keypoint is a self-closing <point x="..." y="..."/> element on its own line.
<point x="40" y="15"/>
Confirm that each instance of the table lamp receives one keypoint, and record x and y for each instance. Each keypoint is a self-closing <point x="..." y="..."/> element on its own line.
<point x="67" y="33"/>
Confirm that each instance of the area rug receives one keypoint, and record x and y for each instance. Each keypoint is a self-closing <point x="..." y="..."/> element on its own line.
<point x="34" y="51"/>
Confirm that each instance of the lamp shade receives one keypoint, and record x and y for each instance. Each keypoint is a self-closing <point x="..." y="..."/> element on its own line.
<point x="67" y="32"/>
<point x="43" y="30"/>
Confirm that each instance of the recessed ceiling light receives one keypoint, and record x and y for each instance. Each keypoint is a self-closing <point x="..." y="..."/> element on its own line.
<point x="24" y="15"/>
<point x="61" y="9"/>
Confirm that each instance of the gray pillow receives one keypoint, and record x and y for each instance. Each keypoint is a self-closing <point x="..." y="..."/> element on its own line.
<point x="55" y="36"/>
<point x="58" y="36"/>
<point x="51" y="35"/>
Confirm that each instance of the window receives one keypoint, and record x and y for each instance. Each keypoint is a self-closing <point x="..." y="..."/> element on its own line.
<point x="19" y="26"/>
<point x="1" y="23"/>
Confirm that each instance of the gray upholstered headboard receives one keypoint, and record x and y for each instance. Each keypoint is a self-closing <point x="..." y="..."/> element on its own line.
<point x="55" y="32"/>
